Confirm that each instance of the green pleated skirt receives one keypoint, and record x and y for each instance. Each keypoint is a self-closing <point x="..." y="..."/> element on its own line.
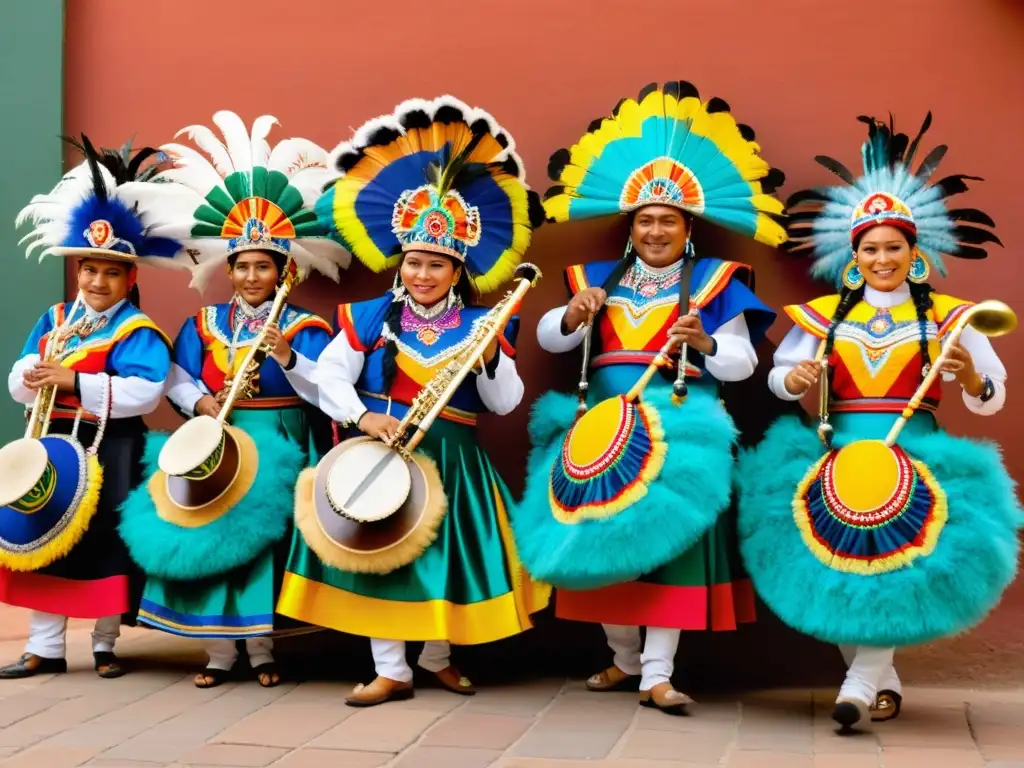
<point x="468" y="587"/>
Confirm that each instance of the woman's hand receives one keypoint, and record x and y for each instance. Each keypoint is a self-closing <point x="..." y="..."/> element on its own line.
<point x="281" y="350"/>
<point x="583" y="306"/>
<point x="50" y="374"/>
<point x="378" y="425"/>
<point x="960" y="363"/>
<point x="207" y="405"/>
<point x="689" y="330"/>
<point x="802" y="377"/>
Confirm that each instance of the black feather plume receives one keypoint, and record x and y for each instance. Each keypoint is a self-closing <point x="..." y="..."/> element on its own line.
<point x="717" y="105"/>
<point x="94" y="167"/>
<point x="931" y="162"/>
<point x="975" y="235"/>
<point x="973" y="215"/>
<point x="909" y="158"/>
<point x="836" y="167"/>
<point x="557" y="163"/>
<point x="954" y="185"/>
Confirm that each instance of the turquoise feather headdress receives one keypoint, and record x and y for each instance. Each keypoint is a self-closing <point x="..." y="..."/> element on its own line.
<point x="822" y="222"/>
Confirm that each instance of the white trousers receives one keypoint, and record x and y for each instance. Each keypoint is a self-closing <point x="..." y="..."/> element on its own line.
<point x="389" y="658"/>
<point x="223" y="653"/>
<point x="657" y="661"/>
<point x="870" y="670"/>
<point x="47" y="633"/>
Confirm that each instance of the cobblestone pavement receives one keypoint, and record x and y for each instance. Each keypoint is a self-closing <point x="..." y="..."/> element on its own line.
<point x="155" y="717"/>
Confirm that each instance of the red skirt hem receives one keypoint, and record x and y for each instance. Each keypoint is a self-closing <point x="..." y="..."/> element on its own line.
<point x="719" y="607"/>
<point x="78" y="599"/>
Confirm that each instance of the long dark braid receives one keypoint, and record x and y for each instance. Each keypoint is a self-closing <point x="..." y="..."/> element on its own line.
<point x="848" y="299"/>
<point x="393" y="324"/>
<point x="921" y="293"/>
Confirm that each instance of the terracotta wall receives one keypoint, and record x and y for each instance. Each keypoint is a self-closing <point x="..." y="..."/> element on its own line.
<point x="799" y="71"/>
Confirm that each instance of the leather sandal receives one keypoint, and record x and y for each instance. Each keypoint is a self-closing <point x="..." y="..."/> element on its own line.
<point x="216" y="676"/>
<point x="30" y="664"/>
<point x="110" y="661"/>
<point x="380" y="691"/>
<point x="886" y="707"/>
<point x="452" y="680"/>
<point x="665" y="698"/>
<point x="267" y="671"/>
<point x="849" y="711"/>
<point x="613" y="679"/>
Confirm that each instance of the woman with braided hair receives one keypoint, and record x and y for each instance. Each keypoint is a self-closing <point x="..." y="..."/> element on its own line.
<point x="903" y="542"/>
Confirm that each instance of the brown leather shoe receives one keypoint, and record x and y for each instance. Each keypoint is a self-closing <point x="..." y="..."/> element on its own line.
<point x="666" y="698"/>
<point x="380" y="691"/>
<point x="29" y="664"/>
<point x="613" y="679"/>
<point x="451" y="679"/>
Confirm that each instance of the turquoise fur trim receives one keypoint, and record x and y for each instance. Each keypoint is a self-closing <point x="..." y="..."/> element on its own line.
<point x="942" y="594"/>
<point x="262" y="518"/>
<point x="693" y="489"/>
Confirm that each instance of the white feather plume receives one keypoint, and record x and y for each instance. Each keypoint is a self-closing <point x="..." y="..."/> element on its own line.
<point x="259" y="151"/>
<point x="207" y="141"/>
<point x="236" y="139"/>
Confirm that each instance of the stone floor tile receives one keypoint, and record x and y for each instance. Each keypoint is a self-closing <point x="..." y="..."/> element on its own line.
<point x="929" y="727"/>
<point x="467" y="730"/>
<point x="999" y="752"/>
<point x="827" y="740"/>
<point x="447" y="757"/>
<point x="284" y="725"/>
<point x="328" y="758"/>
<point x="23" y="705"/>
<point x="696" y="747"/>
<point x="847" y="761"/>
<point x="50" y="757"/>
<point x="234" y="755"/>
<point x="995" y="713"/>
<point x="751" y="758"/>
<point x="171" y="739"/>
<point x="999" y="736"/>
<point x="377" y="729"/>
<point x="520" y="701"/>
<point x="567" y="744"/>
<point x="102" y="762"/>
<point x="920" y="757"/>
<point x="1005" y="764"/>
<point x="541" y="762"/>
<point x="698" y="721"/>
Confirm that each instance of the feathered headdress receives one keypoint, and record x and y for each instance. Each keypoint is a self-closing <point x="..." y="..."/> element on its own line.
<point x="245" y="197"/>
<point x="823" y="222"/>
<point x="433" y="176"/>
<point x="92" y="211"/>
<point x="669" y="148"/>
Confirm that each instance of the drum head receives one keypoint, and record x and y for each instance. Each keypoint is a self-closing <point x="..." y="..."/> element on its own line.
<point x="22" y="464"/>
<point x="46" y="523"/>
<point x="191" y="444"/>
<point x="608" y="459"/>
<point x="369" y="484"/>
<point x="380" y="546"/>
<point x="869" y="508"/>
<point x="194" y="503"/>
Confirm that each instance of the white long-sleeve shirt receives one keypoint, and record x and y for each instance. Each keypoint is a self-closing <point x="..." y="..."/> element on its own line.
<point x="338" y="369"/>
<point x="131" y="395"/>
<point x="735" y="359"/>
<point x="799" y="345"/>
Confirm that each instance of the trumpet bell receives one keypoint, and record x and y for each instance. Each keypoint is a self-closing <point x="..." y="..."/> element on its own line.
<point x="26" y="475"/>
<point x="992" y="318"/>
<point x="195" y="450"/>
